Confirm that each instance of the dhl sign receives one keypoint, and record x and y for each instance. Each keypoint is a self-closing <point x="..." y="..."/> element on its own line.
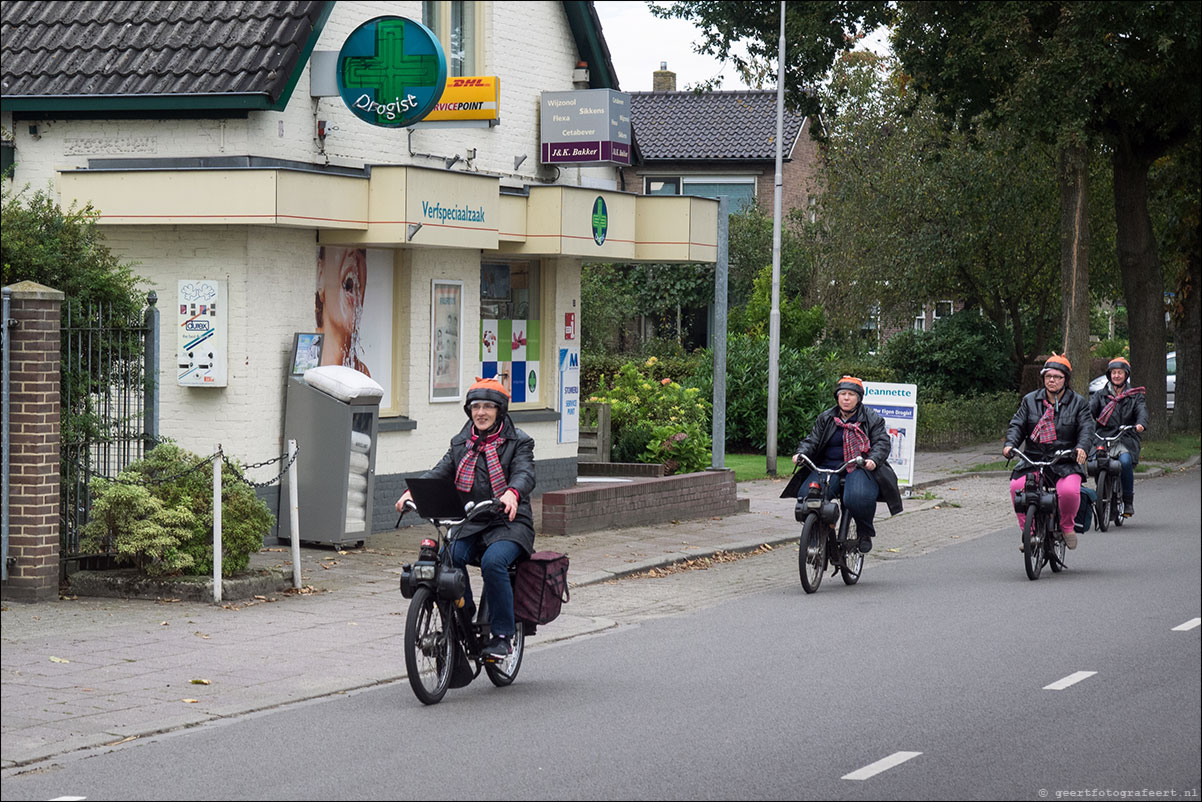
<point x="469" y="98"/>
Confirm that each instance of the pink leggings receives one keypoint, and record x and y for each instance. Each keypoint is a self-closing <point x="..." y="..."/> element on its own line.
<point x="1068" y="496"/>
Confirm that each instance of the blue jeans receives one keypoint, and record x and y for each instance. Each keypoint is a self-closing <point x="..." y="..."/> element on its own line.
<point x="494" y="566"/>
<point x="860" y="493"/>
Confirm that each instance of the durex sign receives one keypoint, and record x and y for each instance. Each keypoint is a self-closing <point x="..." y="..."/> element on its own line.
<point x="391" y="71"/>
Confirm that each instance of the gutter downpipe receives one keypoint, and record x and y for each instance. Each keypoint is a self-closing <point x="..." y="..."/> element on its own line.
<point x="5" y="401"/>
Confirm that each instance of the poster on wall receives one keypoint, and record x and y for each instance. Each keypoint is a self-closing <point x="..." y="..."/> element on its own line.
<point x="569" y="395"/>
<point x="509" y="352"/>
<point x="898" y="405"/>
<point x="352" y="309"/>
<point x="446" y="312"/>
<point x="203" y="333"/>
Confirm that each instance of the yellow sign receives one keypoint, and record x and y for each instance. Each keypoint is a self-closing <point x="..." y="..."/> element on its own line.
<point x="469" y="98"/>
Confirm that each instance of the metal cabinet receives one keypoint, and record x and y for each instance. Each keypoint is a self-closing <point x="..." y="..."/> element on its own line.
<point x="333" y="414"/>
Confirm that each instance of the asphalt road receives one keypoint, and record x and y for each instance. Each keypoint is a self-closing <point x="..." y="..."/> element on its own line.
<point x="930" y="679"/>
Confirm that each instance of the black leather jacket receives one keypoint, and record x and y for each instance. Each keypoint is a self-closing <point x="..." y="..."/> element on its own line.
<point x="878" y="450"/>
<point x="517" y="462"/>
<point x="1131" y="411"/>
<point x="1074" y="429"/>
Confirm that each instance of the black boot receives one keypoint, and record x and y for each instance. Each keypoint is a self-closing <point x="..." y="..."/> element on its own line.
<point x="1128" y="507"/>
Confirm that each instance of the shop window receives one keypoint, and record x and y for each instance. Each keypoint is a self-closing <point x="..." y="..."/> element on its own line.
<point x="510" y="328"/>
<point x="661" y="186"/>
<point x="454" y="22"/>
<point x="739" y="189"/>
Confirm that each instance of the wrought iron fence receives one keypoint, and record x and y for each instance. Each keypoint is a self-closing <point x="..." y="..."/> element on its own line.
<point x="108" y="410"/>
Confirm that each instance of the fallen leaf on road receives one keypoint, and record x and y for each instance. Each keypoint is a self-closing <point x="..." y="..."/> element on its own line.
<point x="124" y="740"/>
<point x="164" y="623"/>
<point x="261" y="598"/>
<point x="201" y="635"/>
<point x="58" y="660"/>
<point x="201" y="682"/>
<point x="190" y="701"/>
<point x="895" y="551"/>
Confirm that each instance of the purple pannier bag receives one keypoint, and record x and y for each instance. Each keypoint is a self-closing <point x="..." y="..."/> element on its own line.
<point x="541" y="587"/>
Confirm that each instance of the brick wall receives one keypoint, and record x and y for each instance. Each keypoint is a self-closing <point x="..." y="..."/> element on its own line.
<point x="34" y="469"/>
<point x="639" y="502"/>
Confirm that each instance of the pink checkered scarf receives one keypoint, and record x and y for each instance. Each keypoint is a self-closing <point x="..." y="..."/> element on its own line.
<point x="1108" y="410"/>
<point x="465" y="475"/>
<point x="1045" y="430"/>
<point x="855" y="442"/>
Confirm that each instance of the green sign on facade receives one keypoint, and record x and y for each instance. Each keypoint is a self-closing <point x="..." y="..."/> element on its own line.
<point x="391" y="71"/>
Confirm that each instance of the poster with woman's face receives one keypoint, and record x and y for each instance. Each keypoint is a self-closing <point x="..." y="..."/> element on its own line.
<point x="353" y="311"/>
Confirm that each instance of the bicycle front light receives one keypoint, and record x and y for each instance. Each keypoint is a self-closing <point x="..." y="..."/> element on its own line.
<point x="423" y="572"/>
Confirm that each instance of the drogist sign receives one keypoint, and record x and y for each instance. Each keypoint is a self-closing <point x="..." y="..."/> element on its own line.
<point x="391" y="71"/>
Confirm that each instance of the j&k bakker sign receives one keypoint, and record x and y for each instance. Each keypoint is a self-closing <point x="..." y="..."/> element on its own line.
<point x="590" y="125"/>
<point x="391" y="71"/>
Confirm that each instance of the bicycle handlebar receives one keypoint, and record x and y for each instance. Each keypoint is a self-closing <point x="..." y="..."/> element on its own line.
<point x="1057" y="457"/>
<point x="1114" y="436"/>
<point x="858" y="461"/>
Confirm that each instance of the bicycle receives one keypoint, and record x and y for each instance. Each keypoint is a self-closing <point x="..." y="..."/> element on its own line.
<point x="1109" y="505"/>
<point x="1043" y="541"/>
<point x="442" y="643"/>
<point x="821" y="544"/>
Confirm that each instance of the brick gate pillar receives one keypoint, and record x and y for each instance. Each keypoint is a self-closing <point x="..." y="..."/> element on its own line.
<point x="33" y="546"/>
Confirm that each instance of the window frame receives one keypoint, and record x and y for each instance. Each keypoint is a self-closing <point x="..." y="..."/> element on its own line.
<point x="441" y="25"/>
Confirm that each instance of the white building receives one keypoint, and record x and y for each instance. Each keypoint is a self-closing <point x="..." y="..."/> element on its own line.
<point x="214" y="152"/>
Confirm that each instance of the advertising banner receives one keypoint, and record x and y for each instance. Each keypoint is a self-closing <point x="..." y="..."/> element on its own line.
<point x="588" y="125"/>
<point x="898" y="405"/>
<point x="569" y="395"/>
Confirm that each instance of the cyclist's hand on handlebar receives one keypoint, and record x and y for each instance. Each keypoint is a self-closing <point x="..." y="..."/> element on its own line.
<point x="509" y="499"/>
<point x="405" y="499"/>
<point x="1006" y="451"/>
<point x="1139" y="427"/>
<point x="796" y="458"/>
<point x="870" y="464"/>
<point x="1080" y="456"/>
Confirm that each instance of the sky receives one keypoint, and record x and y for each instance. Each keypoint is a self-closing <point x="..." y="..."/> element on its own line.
<point x="638" y="42"/>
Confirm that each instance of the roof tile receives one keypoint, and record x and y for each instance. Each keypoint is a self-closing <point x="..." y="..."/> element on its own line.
<point x="709" y="126"/>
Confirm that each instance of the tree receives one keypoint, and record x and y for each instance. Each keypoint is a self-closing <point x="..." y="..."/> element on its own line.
<point x="816" y="33"/>
<point x="1070" y="73"/>
<point x="912" y="211"/>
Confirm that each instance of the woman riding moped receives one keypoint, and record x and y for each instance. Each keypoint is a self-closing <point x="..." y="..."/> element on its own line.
<point x="1048" y="420"/>
<point x="491" y="458"/>
<point x="1115" y="405"/>
<point x="845" y="431"/>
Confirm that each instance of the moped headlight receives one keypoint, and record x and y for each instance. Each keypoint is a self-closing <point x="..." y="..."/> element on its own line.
<point x="423" y="572"/>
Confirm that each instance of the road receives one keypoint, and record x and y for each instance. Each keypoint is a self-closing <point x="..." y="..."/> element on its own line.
<point x="968" y="680"/>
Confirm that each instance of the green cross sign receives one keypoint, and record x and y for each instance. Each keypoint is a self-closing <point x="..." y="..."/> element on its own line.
<point x="391" y="71"/>
<point x="600" y="220"/>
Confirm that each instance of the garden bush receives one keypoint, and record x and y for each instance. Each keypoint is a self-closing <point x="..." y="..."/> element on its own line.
<point x="648" y="412"/>
<point x="962" y="355"/>
<point x="158" y="515"/>
<point x="954" y="422"/>
<point x="805" y="382"/>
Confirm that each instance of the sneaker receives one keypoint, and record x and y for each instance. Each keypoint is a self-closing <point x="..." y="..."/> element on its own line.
<point x="1070" y="539"/>
<point x="497" y="648"/>
<point x="1128" y="508"/>
<point x="865" y="544"/>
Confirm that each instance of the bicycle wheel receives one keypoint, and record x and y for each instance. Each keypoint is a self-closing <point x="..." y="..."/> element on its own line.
<point x="1114" y="502"/>
<point x="853" y="559"/>
<point x="1104" y="498"/>
<point x="429" y="656"/>
<point x="1033" y="533"/>
<point x="811" y="560"/>
<point x="503" y="672"/>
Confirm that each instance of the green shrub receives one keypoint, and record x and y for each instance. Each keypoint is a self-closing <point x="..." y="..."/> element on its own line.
<point x="647" y="408"/>
<point x="804" y="390"/>
<point x="1109" y="349"/>
<point x="963" y="355"/>
<point x="954" y="422"/>
<point x="681" y="448"/>
<point x="167" y="526"/>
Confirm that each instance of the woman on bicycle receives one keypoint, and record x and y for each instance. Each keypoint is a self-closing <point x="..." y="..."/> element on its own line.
<point x="1048" y="420"/>
<point x="845" y="431"/>
<point x="491" y="458"/>
<point x="1115" y="405"/>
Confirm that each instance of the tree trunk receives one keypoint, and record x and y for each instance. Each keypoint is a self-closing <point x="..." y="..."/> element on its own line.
<point x="1072" y="174"/>
<point x="1187" y="407"/>
<point x="1143" y="281"/>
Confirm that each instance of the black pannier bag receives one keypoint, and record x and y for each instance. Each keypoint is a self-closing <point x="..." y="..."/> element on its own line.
<point x="541" y="587"/>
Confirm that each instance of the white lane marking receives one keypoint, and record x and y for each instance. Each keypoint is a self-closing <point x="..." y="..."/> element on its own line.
<point x="1188" y="625"/>
<point x="68" y="799"/>
<point x="884" y="764"/>
<point x="1071" y="679"/>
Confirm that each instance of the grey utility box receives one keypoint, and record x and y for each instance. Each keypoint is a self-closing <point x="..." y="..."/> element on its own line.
<point x="332" y="413"/>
